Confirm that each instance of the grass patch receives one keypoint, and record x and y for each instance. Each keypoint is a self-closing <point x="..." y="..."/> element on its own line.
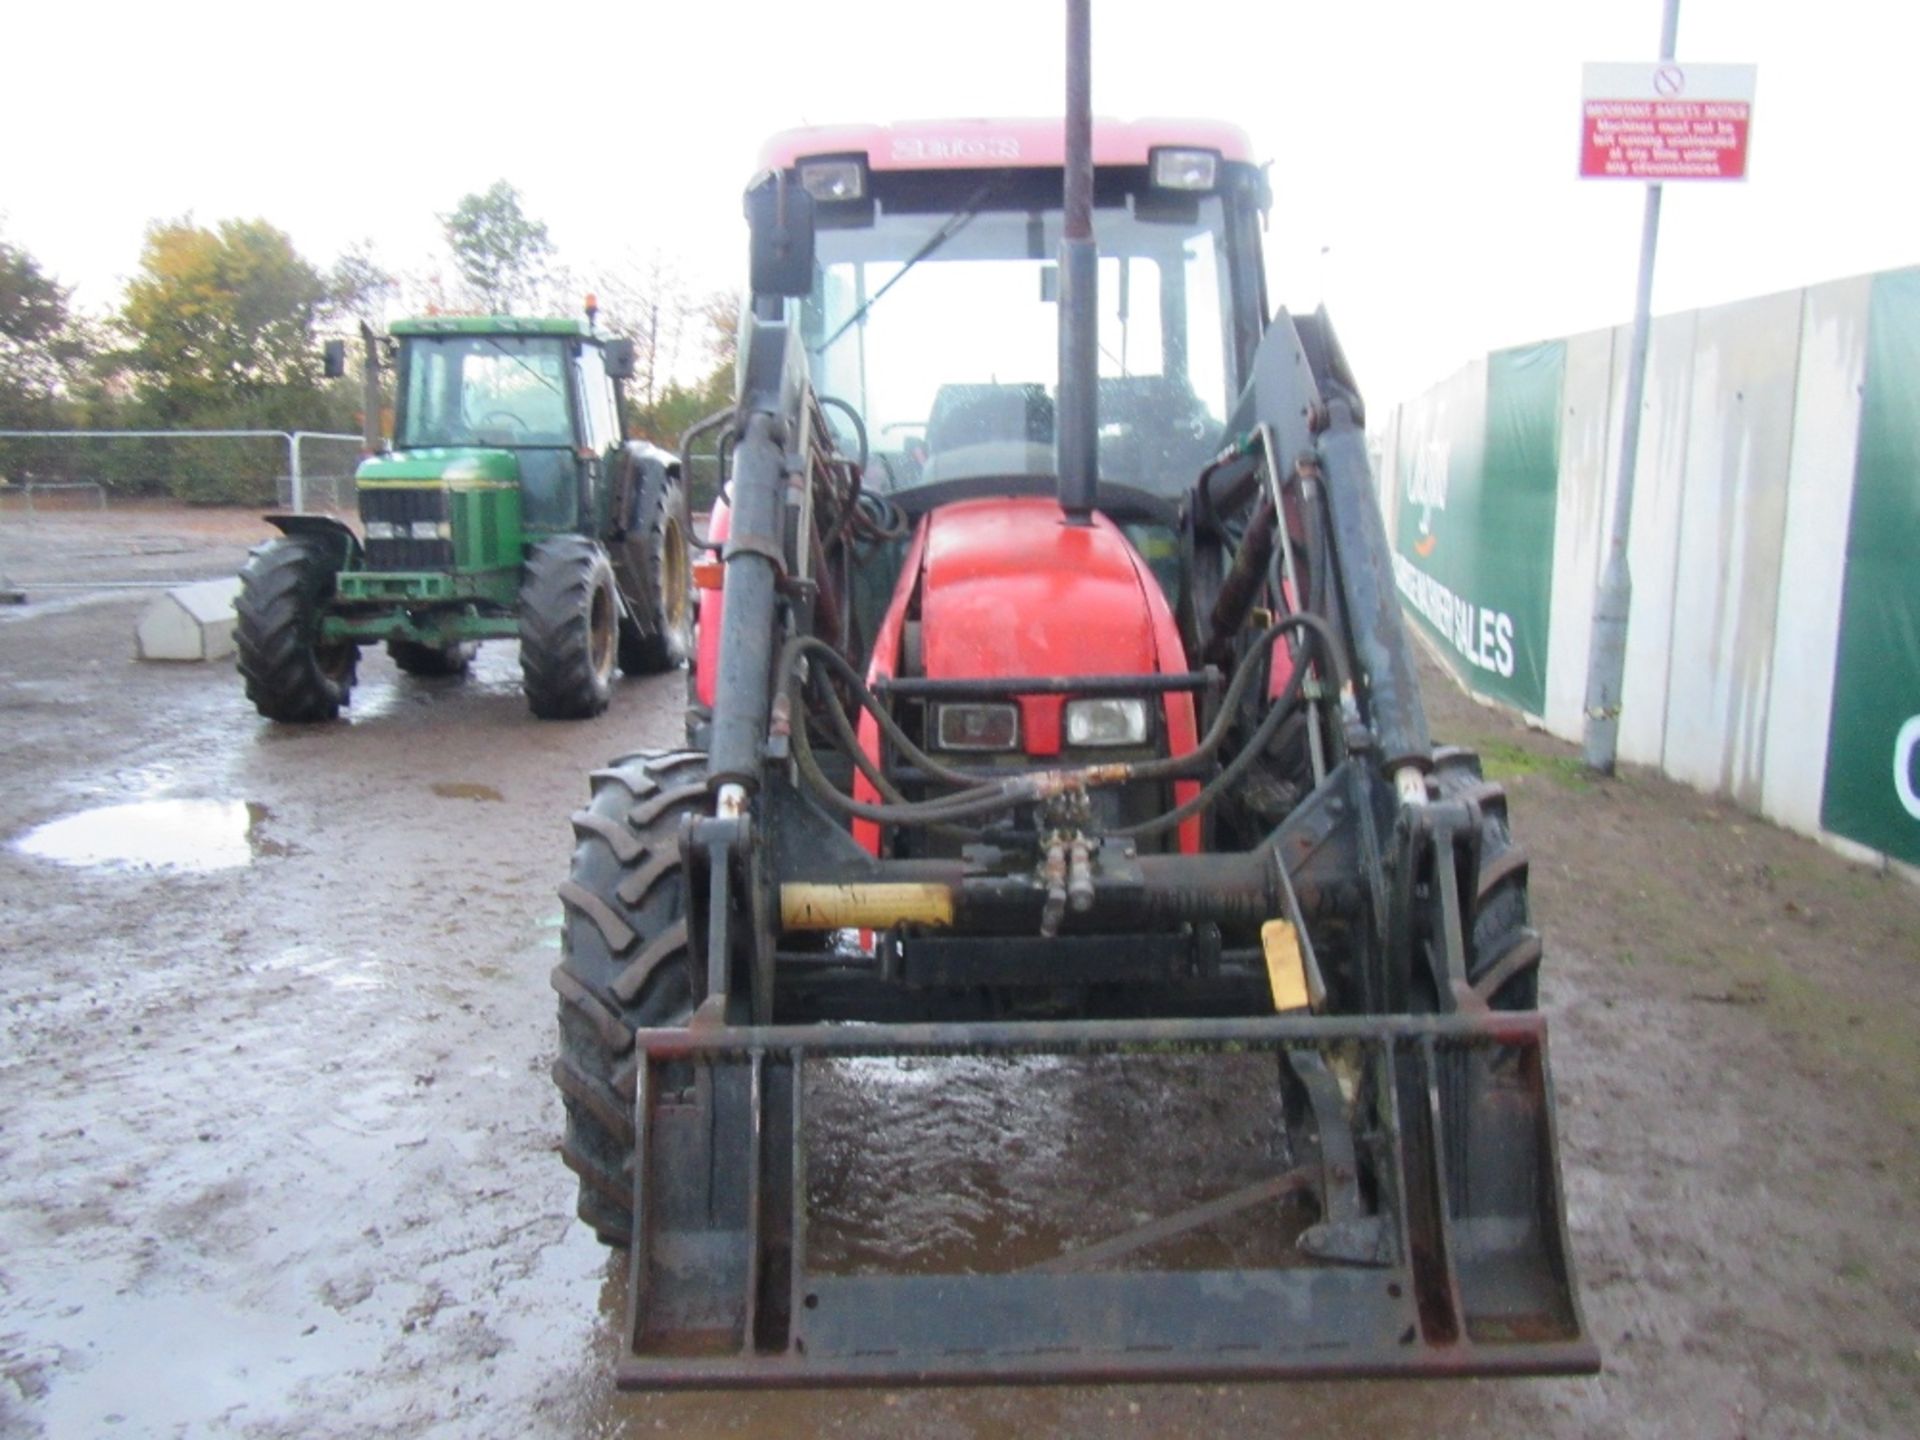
<point x="1503" y="760"/>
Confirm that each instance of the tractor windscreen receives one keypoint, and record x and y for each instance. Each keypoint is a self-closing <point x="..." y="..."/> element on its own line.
<point x="505" y="391"/>
<point x="935" y="314"/>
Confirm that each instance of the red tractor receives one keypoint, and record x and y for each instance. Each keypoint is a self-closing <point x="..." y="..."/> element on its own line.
<point x="1052" y="697"/>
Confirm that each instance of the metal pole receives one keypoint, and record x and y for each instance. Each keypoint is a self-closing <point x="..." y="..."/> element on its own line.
<point x="293" y="472"/>
<point x="1077" y="424"/>
<point x="369" y="390"/>
<point x="1612" y="602"/>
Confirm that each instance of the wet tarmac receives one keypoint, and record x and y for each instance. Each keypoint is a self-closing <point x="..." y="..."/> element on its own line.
<point x="277" y="1137"/>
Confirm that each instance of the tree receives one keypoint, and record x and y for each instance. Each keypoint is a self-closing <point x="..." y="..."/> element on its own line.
<point x="647" y="301"/>
<point x="42" y="343"/>
<point x="219" y="329"/>
<point x="359" y="288"/>
<point x="220" y="319"/>
<point x="667" y="410"/>
<point x="504" y="257"/>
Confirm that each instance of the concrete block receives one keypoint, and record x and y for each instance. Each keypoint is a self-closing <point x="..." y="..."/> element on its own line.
<point x="192" y="622"/>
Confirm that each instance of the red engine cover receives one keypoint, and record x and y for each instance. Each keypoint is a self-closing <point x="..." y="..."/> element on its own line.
<point x="1008" y="588"/>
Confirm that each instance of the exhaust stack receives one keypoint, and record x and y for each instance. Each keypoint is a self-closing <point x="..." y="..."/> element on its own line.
<point x="1076" y="426"/>
<point x="372" y="442"/>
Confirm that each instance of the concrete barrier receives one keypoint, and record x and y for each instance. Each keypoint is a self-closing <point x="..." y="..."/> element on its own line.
<point x="192" y="622"/>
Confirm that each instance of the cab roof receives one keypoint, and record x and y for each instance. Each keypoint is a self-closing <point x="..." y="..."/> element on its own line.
<point x="493" y="325"/>
<point x="993" y="144"/>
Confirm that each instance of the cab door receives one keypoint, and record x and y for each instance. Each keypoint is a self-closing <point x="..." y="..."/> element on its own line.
<point x="599" y="435"/>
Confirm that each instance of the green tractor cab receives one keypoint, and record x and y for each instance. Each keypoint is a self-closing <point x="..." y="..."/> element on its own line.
<point x="513" y="505"/>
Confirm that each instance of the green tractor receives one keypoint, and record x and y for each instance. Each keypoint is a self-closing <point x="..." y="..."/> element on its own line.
<point x="512" y="505"/>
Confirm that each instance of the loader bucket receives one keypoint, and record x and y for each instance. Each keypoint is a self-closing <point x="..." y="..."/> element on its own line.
<point x="1439" y="1246"/>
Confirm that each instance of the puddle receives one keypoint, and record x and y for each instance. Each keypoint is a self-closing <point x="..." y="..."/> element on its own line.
<point x="192" y="835"/>
<point x="984" y="1165"/>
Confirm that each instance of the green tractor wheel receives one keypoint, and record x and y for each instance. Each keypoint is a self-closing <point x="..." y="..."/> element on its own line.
<point x="431" y="661"/>
<point x="660" y="635"/>
<point x="290" y="674"/>
<point x="569" y="629"/>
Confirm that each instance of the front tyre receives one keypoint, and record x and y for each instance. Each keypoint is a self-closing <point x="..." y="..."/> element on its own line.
<point x="1503" y="959"/>
<point x="569" y="629"/>
<point x="291" y="674"/>
<point x="625" y="964"/>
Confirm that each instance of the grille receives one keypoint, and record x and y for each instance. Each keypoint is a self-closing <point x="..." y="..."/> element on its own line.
<point x="401" y="508"/>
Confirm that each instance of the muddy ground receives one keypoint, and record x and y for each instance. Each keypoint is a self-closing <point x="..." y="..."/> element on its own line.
<point x="277" y="1138"/>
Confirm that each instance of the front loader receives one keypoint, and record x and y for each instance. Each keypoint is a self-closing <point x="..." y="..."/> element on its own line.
<point x="1051" y="699"/>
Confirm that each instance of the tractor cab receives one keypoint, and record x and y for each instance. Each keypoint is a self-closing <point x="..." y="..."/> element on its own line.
<point x="934" y="308"/>
<point x="525" y="408"/>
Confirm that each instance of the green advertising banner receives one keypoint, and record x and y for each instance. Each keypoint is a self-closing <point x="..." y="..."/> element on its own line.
<point x="1478" y="471"/>
<point x="1873" y="749"/>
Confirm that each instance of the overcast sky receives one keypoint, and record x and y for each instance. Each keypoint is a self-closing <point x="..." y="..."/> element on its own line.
<point x="1429" y="148"/>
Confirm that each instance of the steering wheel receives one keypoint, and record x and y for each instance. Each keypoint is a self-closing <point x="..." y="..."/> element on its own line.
<point x="513" y="421"/>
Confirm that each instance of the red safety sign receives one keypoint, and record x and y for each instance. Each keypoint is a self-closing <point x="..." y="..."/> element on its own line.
<point x="1665" y="121"/>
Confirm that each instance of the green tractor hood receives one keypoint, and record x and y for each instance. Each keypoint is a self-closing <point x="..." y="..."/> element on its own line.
<point x="456" y="467"/>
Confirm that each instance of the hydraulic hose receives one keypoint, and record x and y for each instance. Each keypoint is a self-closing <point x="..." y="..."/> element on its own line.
<point x="979" y="796"/>
<point x="1216" y="787"/>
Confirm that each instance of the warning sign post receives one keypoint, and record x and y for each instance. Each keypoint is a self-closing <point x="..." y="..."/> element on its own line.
<point x="1651" y="123"/>
<point x="1665" y="121"/>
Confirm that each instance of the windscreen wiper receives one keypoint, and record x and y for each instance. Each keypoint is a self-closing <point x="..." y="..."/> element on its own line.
<point x="951" y="227"/>
<point x="522" y="363"/>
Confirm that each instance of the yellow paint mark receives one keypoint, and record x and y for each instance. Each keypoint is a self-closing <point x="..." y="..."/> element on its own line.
<point x="1286" y="971"/>
<point x="863" y="907"/>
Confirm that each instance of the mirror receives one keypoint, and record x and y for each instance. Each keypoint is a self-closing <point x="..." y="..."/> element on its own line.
<point x="619" y="357"/>
<point x="335" y="359"/>
<point x="780" y="249"/>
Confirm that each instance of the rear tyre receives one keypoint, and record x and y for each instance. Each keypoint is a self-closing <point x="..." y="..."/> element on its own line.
<point x="660" y="636"/>
<point x="569" y="628"/>
<point x="625" y="963"/>
<point x="431" y="660"/>
<point x="290" y="674"/>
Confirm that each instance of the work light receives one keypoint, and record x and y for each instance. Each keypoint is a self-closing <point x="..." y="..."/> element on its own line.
<point x="977" y="727"/>
<point x="833" y="182"/>
<point x="1107" y="722"/>
<point x="1185" y="169"/>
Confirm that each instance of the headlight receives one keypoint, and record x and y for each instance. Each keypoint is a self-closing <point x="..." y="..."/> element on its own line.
<point x="1185" y="169"/>
<point x="833" y="182"/>
<point x="1106" y="722"/>
<point x="432" y="530"/>
<point x="977" y="727"/>
<point x="380" y="530"/>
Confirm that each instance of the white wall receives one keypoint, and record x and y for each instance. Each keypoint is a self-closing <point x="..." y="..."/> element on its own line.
<point x="1826" y="427"/>
<point x="1582" y="517"/>
<point x="1748" y="437"/>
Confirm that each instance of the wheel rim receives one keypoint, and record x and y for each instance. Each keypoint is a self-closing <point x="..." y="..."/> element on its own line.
<point x="602" y="633"/>
<point x="673" y="575"/>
